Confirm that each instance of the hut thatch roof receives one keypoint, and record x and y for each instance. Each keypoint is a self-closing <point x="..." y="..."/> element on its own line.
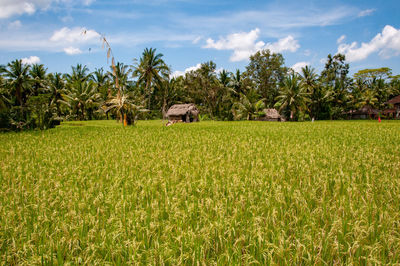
<point x="271" y="113"/>
<point x="394" y="100"/>
<point x="182" y="109"/>
<point x="365" y="110"/>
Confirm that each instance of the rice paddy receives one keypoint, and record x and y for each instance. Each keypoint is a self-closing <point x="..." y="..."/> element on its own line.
<point x="203" y="193"/>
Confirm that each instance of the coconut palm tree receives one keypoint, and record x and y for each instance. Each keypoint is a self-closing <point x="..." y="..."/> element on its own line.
<point x="150" y="69"/>
<point x="17" y="79"/>
<point x="120" y="76"/>
<point x="82" y="98"/>
<point x="292" y="96"/>
<point x="249" y="106"/>
<point x="56" y="87"/>
<point x="38" y="76"/>
<point x="79" y="73"/>
<point x="125" y="108"/>
<point x="101" y="79"/>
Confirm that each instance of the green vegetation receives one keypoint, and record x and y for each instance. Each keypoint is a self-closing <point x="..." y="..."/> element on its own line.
<point x="211" y="193"/>
<point x="32" y="98"/>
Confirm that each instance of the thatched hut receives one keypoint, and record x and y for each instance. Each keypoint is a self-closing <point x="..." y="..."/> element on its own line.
<point x="363" y="113"/>
<point x="395" y="101"/>
<point x="183" y="112"/>
<point x="271" y="115"/>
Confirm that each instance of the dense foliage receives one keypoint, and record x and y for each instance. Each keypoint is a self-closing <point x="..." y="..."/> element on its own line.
<point x="209" y="193"/>
<point x="32" y="98"/>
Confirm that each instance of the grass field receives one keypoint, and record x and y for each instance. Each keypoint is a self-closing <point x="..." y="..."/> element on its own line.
<point x="204" y="193"/>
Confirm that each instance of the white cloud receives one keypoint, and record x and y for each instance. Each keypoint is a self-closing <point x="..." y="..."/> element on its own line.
<point x="366" y="12"/>
<point x="245" y="44"/>
<point x="10" y="8"/>
<point x="30" y="60"/>
<point x="197" y="39"/>
<point x="72" y="50"/>
<point x="15" y="25"/>
<point x="75" y="35"/>
<point x="182" y="73"/>
<point x="298" y="66"/>
<point x="341" y="39"/>
<point x="285" y="44"/>
<point x="386" y="44"/>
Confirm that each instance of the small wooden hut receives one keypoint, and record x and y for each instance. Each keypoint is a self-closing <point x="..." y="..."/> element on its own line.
<point x="183" y="112"/>
<point x="395" y="101"/>
<point x="364" y="113"/>
<point x="271" y="115"/>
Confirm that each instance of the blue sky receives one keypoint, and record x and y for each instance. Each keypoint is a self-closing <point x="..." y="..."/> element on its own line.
<point x="190" y="32"/>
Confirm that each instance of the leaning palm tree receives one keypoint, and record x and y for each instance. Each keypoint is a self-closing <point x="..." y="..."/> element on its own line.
<point x="150" y="69"/>
<point x="292" y="96"/>
<point x="17" y="79"/>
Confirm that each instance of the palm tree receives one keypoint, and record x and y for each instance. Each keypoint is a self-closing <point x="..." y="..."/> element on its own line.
<point x="250" y="106"/>
<point x="79" y="73"/>
<point x="82" y="98"/>
<point x="17" y="79"/>
<point x="56" y="88"/>
<point x="101" y="79"/>
<point x="122" y="104"/>
<point x="309" y="82"/>
<point x="150" y="69"/>
<point x="292" y="96"/>
<point x="120" y="76"/>
<point x="38" y="75"/>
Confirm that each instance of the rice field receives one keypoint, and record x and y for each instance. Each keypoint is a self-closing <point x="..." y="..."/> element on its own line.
<point x="210" y="193"/>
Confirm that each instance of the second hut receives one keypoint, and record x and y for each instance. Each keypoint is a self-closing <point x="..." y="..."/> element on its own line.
<point x="183" y="112"/>
<point x="271" y="115"/>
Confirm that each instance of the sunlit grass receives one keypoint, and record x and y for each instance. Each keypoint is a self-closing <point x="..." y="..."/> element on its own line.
<point x="210" y="192"/>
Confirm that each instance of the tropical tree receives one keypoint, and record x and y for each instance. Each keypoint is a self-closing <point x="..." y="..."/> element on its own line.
<point x="17" y="79"/>
<point x="151" y="69"/>
<point x="38" y="77"/>
<point x="267" y="71"/>
<point x="79" y="73"/>
<point x="123" y="105"/>
<point x="82" y="98"/>
<point x="292" y="96"/>
<point x="250" y="106"/>
<point x="56" y="88"/>
<point x="120" y="76"/>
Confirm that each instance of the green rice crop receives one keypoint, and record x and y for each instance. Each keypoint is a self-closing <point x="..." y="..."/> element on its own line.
<point x="203" y="193"/>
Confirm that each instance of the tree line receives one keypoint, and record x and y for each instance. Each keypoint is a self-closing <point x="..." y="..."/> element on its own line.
<point x="30" y="97"/>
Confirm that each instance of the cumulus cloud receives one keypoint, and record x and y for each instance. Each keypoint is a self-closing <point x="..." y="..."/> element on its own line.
<point x="244" y="44"/>
<point x="341" y="39"/>
<point x="386" y="44"/>
<point x="298" y="66"/>
<point x="366" y="12"/>
<point x="30" y="60"/>
<point x="75" y="35"/>
<point x="10" y="8"/>
<point x="182" y="73"/>
<point x="72" y="50"/>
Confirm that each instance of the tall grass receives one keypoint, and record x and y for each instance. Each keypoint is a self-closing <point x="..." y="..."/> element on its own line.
<point x="203" y="193"/>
